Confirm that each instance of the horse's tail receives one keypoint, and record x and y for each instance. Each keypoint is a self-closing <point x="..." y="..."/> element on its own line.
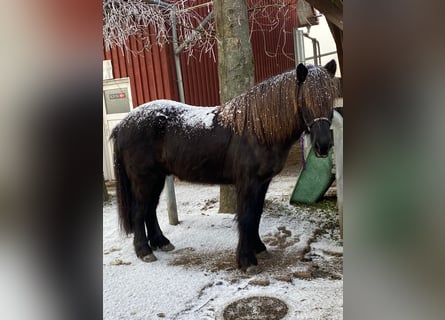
<point x="123" y="187"/>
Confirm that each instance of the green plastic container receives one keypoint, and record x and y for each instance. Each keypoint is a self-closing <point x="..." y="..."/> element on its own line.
<point x="314" y="180"/>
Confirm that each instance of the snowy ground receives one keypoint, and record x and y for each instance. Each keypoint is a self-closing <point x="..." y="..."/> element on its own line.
<point x="199" y="279"/>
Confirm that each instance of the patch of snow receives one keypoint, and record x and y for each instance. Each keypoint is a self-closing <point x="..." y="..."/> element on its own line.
<point x="188" y="117"/>
<point x="160" y="290"/>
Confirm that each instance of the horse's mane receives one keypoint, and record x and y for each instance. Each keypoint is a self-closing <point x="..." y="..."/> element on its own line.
<point x="269" y="109"/>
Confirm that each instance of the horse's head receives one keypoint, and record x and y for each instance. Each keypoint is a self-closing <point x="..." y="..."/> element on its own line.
<point x="316" y="94"/>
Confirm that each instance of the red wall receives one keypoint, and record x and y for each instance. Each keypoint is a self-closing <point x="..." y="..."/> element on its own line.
<point x="273" y="50"/>
<point x="152" y="72"/>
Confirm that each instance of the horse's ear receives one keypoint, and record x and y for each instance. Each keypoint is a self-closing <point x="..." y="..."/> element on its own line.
<point x="301" y="72"/>
<point x="331" y="66"/>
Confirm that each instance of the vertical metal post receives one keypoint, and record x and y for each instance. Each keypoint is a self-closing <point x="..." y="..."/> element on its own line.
<point x="170" y="187"/>
<point x="314" y="48"/>
<point x="176" y="53"/>
<point x="337" y="126"/>
<point x="171" y="201"/>
<point x="299" y="46"/>
<point x="169" y="180"/>
<point x="319" y="53"/>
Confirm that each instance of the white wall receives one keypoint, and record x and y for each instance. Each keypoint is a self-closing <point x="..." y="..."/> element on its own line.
<point x="327" y="44"/>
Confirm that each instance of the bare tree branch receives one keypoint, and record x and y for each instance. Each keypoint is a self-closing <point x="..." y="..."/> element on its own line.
<point x="150" y="21"/>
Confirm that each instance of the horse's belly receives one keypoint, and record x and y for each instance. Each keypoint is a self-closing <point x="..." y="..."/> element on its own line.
<point x="200" y="165"/>
<point x="201" y="171"/>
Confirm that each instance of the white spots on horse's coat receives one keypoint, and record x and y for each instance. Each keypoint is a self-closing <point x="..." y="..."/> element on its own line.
<point x="179" y="114"/>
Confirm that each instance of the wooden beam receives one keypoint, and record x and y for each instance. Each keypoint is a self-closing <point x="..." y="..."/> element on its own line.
<point x="332" y="9"/>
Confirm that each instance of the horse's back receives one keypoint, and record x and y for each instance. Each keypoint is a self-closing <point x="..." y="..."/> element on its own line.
<point x="177" y="139"/>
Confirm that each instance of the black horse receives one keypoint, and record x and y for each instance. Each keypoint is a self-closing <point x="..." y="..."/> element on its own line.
<point x="244" y="142"/>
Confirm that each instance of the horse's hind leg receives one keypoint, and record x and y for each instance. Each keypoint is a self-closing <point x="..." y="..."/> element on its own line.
<point x="140" y="242"/>
<point x="157" y="239"/>
<point x="155" y="235"/>
<point x="147" y="233"/>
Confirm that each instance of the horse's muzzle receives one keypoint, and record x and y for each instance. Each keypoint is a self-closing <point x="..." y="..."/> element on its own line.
<point x="322" y="150"/>
<point x="319" y="155"/>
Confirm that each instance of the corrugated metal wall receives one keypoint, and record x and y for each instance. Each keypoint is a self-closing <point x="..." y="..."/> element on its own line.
<point x="200" y="71"/>
<point x="273" y="50"/>
<point x="200" y="77"/>
<point x="152" y="72"/>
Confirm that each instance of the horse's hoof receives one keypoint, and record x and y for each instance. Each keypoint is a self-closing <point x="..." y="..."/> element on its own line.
<point x="149" y="258"/>
<point x="167" y="247"/>
<point x="264" y="255"/>
<point x="252" y="270"/>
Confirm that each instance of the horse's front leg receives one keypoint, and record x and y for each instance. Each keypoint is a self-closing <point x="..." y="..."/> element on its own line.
<point x="250" y="203"/>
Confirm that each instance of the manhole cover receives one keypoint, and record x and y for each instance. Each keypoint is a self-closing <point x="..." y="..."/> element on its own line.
<point x="256" y="308"/>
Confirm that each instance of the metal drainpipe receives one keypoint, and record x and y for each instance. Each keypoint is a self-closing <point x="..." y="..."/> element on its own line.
<point x="299" y="46"/>
<point x="175" y="45"/>
<point x="176" y="56"/>
<point x="171" y="204"/>
<point x="170" y="186"/>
